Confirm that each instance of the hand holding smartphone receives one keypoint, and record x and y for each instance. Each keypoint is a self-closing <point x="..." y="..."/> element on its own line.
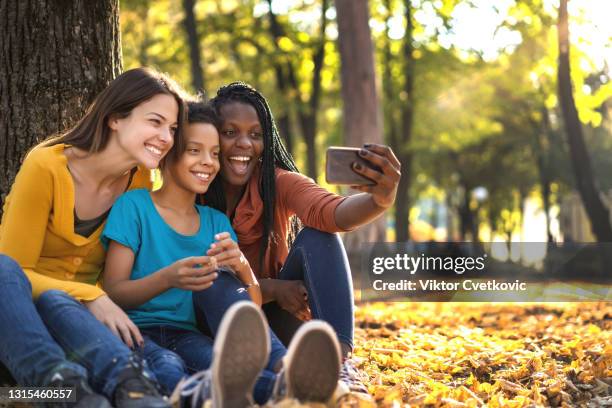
<point x="339" y="167"/>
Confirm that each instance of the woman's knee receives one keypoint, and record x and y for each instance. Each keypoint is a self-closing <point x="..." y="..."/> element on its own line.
<point x="52" y="299"/>
<point x="308" y="234"/>
<point x="226" y="285"/>
<point x="164" y="360"/>
<point x="11" y="273"/>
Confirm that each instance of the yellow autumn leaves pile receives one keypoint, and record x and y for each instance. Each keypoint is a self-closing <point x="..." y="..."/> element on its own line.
<point x="495" y="355"/>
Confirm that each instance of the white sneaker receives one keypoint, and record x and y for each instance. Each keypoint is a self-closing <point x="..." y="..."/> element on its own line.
<point x="240" y="352"/>
<point x="311" y="365"/>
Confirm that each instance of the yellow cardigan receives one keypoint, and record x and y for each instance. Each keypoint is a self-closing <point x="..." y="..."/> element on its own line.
<point x="37" y="228"/>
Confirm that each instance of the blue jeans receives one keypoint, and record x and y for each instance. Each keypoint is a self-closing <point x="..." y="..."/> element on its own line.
<point x="85" y="339"/>
<point x="173" y="352"/>
<point x="319" y="259"/>
<point x="27" y="348"/>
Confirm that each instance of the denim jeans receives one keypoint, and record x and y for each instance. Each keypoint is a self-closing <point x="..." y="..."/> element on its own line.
<point x="173" y="352"/>
<point x="319" y="259"/>
<point x="85" y="339"/>
<point x="27" y="348"/>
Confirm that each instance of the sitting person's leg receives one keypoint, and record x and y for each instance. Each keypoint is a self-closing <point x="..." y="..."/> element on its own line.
<point x="238" y="356"/>
<point x="319" y="260"/>
<point x="211" y="305"/>
<point x="26" y="346"/>
<point x="167" y="366"/>
<point x="114" y="370"/>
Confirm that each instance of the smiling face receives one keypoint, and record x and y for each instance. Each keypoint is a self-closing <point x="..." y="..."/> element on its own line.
<point x="199" y="163"/>
<point x="242" y="143"/>
<point x="147" y="133"/>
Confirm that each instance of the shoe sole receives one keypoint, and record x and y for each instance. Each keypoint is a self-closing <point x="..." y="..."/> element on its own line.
<point x="240" y="353"/>
<point x="312" y="363"/>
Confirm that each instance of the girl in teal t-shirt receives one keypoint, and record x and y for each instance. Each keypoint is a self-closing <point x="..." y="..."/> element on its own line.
<point x="165" y="254"/>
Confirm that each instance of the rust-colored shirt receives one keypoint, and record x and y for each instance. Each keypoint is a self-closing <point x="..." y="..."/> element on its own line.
<point x="296" y="194"/>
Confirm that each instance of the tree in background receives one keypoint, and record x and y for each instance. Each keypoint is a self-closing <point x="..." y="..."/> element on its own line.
<point x="193" y="41"/>
<point x="307" y="106"/>
<point x="56" y="56"/>
<point x="585" y="181"/>
<point x="401" y="144"/>
<point x="362" y="117"/>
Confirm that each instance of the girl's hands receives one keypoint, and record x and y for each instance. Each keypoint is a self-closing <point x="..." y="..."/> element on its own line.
<point x="227" y="253"/>
<point x="292" y="296"/>
<point x="194" y="273"/>
<point x="384" y="191"/>
<point x="113" y="317"/>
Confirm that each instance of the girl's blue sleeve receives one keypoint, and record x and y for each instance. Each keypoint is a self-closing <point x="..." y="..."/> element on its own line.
<point x="123" y="224"/>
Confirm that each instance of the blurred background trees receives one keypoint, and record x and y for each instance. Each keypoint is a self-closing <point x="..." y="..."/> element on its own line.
<point x="468" y="91"/>
<point x="472" y="94"/>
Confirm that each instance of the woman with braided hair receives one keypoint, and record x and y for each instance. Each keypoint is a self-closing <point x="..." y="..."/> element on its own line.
<point x="303" y="274"/>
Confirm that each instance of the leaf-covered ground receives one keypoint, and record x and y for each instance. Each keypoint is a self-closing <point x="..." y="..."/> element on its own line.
<point x="495" y="355"/>
<point x="475" y="355"/>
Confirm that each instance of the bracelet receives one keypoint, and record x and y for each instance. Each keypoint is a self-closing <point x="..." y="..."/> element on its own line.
<point x="250" y="285"/>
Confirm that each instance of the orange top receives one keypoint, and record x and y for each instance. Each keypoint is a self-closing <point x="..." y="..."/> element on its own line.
<point x="296" y="194"/>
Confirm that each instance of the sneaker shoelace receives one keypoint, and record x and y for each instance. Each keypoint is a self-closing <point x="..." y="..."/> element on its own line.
<point x="280" y="386"/>
<point x="196" y="388"/>
<point x="352" y="377"/>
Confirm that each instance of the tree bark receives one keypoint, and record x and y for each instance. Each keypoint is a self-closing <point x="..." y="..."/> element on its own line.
<point x="362" y="117"/>
<point x="402" y="148"/>
<point x="393" y="129"/>
<point x="56" y="56"/>
<point x="596" y="210"/>
<point x="193" y="41"/>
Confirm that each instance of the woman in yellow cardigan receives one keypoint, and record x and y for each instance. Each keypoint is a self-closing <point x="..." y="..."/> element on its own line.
<point x="49" y="241"/>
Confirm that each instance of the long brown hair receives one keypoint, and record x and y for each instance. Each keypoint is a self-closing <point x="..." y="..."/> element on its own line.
<point x="120" y="97"/>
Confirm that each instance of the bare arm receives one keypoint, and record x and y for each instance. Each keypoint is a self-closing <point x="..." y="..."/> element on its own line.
<point x="267" y="290"/>
<point x="226" y="252"/>
<point x="194" y="273"/>
<point x="363" y="208"/>
<point x="121" y="289"/>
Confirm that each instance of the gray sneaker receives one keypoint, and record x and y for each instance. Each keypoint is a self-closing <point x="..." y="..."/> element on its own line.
<point x="240" y="353"/>
<point x="352" y="383"/>
<point x="311" y="365"/>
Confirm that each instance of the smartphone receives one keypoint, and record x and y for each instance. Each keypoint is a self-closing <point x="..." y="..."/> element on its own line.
<point x="339" y="167"/>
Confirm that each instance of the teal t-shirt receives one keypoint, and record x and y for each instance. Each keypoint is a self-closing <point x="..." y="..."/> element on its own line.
<point x="135" y="223"/>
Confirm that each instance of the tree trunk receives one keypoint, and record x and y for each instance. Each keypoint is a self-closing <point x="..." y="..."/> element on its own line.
<point x="284" y="120"/>
<point x="307" y="111"/>
<point x="468" y="225"/>
<point x="309" y="118"/>
<point x="596" y="210"/>
<point x="402" y="149"/>
<point x="56" y="56"/>
<point x="193" y="41"/>
<point x="543" y="144"/>
<point x="362" y="117"/>
<point x="392" y="131"/>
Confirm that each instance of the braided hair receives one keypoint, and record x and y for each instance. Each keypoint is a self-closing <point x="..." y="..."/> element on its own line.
<point x="274" y="155"/>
